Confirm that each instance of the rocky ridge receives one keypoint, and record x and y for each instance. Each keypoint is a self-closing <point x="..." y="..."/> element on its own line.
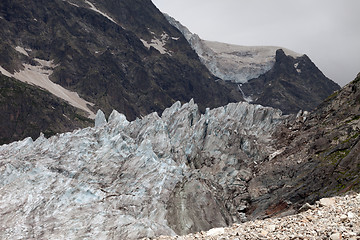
<point x="292" y="84"/>
<point x="330" y="218"/>
<point x="44" y="112"/>
<point x="266" y="75"/>
<point x="231" y="62"/>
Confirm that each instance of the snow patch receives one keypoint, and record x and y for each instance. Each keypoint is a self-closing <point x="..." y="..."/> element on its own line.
<point x="5" y="72"/>
<point x="92" y="7"/>
<point x="39" y="76"/>
<point x="21" y="50"/>
<point x="296" y="65"/>
<point x="247" y="99"/>
<point x="71" y="3"/>
<point x="158" y="44"/>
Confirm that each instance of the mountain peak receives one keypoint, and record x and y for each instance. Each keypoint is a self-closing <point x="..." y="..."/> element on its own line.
<point x="270" y="76"/>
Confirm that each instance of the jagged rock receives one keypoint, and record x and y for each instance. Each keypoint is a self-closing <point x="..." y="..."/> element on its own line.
<point x="285" y="88"/>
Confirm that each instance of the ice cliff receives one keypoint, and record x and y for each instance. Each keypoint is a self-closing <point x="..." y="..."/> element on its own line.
<point x="178" y="173"/>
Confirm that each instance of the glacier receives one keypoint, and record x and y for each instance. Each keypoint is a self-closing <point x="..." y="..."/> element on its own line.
<point x="123" y="180"/>
<point x="231" y="62"/>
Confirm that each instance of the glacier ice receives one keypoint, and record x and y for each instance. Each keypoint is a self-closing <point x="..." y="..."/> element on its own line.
<point x="232" y="62"/>
<point x="115" y="180"/>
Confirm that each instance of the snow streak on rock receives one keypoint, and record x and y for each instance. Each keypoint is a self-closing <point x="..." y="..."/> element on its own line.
<point x="158" y="44"/>
<point x="114" y="181"/>
<point x="39" y="76"/>
<point x="21" y="50"/>
<point x="92" y="7"/>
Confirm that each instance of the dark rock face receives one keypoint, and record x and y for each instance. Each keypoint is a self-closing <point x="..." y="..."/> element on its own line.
<point x="319" y="157"/>
<point x="187" y="203"/>
<point x="292" y="84"/>
<point x="103" y="56"/>
<point x="27" y="110"/>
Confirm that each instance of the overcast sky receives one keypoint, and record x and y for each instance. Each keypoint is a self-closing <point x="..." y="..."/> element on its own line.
<point x="328" y="31"/>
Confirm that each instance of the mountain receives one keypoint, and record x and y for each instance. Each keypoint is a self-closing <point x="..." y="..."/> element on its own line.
<point x="292" y="84"/>
<point x="267" y="75"/>
<point x="179" y="173"/>
<point x="105" y="55"/>
<point x="318" y="156"/>
<point x="27" y="110"/>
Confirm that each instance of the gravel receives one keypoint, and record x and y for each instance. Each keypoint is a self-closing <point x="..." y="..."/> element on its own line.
<point x="331" y="218"/>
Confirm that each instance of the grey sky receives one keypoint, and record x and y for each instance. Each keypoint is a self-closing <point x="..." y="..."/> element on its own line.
<point x="328" y="31"/>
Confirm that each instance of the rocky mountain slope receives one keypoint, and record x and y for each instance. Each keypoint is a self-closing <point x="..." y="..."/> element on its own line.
<point x="94" y="54"/>
<point x="179" y="173"/>
<point x="292" y="84"/>
<point x="320" y="153"/>
<point x="27" y="110"/>
<point x="263" y="74"/>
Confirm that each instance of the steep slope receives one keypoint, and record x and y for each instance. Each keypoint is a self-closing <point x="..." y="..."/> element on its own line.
<point x="318" y="156"/>
<point x="292" y="84"/>
<point x="120" y="55"/>
<point x="26" y="111"/>
<point x="281" y="79"/>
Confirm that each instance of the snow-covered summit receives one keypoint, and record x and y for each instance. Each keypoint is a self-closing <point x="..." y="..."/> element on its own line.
<point x="232" y="62"/>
